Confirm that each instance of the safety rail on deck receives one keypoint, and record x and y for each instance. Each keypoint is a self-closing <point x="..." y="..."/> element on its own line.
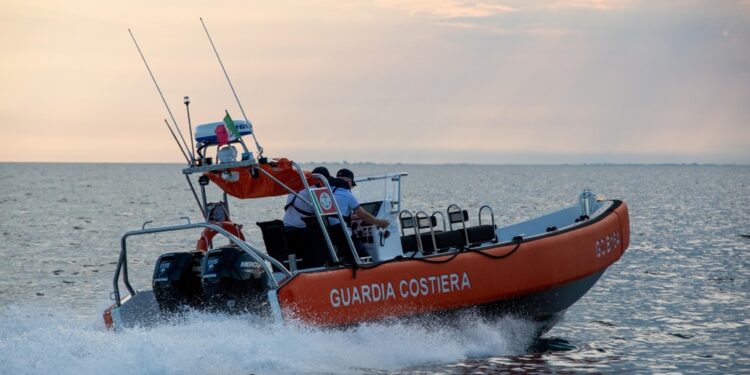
<point x="255" y="254"/>
<point x="394" y="177"/>
<point x="380" y="177"/>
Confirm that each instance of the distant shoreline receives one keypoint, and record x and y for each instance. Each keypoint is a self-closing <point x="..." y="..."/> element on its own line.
<point x="415" y="164"/>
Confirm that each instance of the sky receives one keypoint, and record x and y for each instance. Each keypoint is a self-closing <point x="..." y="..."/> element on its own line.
<point x="386" y="81"/>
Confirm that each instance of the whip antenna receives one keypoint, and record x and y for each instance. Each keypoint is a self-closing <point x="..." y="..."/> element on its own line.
<point x="190" y="125"/>
<point x="260" y="149"/>
<point x="192" y="157"/>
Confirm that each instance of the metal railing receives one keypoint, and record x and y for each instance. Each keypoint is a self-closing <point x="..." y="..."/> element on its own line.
<point x="395" y="178"/>
<point x="122" y="266"/>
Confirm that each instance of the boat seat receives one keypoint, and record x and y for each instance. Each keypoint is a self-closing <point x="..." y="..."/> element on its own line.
<point x="313" y="245"/>
<point x="444" y="240"/>
<point x="409" y="242"/>
<point x="343" y="251"/>
<point x="479" y="234"/>
<point x="427" y="246"/>
<point x="274" y="236"/>
<point x="450" y="239"/>
<point x="296" y="239"/>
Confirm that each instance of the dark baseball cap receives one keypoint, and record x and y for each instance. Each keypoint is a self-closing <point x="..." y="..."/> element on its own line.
<point x="323" y="171"/>
<point x="343" y="172"/>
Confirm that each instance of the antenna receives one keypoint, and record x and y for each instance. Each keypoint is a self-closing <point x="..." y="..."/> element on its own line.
<point x="260" y="149"/>
<point x="162" y="99"/>
<point x="190" y="125"/>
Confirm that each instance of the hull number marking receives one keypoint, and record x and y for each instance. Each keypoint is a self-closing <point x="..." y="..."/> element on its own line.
<point x="607" y="244"/>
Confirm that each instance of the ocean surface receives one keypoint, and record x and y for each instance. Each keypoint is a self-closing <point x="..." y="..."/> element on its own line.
<point x="676" y="302"/>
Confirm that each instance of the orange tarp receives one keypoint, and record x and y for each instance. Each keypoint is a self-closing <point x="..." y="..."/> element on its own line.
<point x="248" y="186"/>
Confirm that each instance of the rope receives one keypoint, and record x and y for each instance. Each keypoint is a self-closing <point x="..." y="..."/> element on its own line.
<point x="518" y="240"/>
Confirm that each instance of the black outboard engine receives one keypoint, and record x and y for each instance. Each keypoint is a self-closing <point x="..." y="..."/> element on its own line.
<point x="233" y="282"/>
<point x="177" y="282"/>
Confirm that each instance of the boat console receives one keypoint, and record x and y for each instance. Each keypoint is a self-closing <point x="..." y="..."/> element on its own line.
<point x="306" y="248"/>
<point x="379" y="243"/>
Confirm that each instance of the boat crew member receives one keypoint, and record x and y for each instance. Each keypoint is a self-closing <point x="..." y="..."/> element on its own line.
<point x="295" y="208"/>
<point x="348" y="205"/>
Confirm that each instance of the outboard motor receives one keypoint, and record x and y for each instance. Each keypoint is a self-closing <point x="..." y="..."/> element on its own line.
<point x="177" y="282"/>
<point x="233" y="282"/>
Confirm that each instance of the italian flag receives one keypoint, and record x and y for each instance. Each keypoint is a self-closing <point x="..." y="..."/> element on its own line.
<point x="230" y="125"/>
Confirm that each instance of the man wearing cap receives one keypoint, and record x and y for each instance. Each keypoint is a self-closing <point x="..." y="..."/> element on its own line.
<point x="348" y="204"/>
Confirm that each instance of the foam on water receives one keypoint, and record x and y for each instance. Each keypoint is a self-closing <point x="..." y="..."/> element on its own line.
<point x="32" y="341"/>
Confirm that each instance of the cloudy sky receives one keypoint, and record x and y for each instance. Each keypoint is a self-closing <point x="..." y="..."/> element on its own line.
<point x="425" y="81"/>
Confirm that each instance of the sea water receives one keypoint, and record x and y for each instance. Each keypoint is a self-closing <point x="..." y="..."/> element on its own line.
<point x="676" y="302"/>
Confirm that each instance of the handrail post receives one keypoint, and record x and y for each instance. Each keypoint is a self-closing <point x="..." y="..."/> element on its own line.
<point x="463" y="222"/>
<point x="492" y="214"/>
<point x="342" y="223"/>
<point x="317" y="214"/>
<point x="432" y="230"/>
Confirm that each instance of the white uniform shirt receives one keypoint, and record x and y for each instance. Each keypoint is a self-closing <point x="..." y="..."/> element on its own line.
<point x="347" y="203"/>
<point x="292" y="217"/>
<point x="345" y="200"/>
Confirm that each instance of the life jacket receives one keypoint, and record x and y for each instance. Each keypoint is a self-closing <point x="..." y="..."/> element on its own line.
<point x="301" y="211"/>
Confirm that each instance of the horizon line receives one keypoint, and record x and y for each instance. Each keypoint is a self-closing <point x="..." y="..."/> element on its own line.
<point x="344" y="162"/>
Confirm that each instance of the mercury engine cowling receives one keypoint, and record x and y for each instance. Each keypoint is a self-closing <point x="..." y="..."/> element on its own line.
<point x="233" y="282"/>
<point x="177" y="283"/>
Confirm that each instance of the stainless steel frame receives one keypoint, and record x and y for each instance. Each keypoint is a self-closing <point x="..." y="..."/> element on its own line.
<point x="122" y="266"/>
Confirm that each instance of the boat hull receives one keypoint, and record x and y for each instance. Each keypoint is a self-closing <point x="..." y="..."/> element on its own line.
<point x="537" y="278"/>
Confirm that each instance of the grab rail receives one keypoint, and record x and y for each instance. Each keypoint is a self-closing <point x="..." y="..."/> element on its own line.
<point x="454" y="210"/>
<point x="255" y="254"/>
<point x="420" y="217"/>
<point x="410" y="222"/>
<point x="492" y="215"/>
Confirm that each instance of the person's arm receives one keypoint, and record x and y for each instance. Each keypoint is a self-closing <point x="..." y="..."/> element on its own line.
<point x="369" y="219"/>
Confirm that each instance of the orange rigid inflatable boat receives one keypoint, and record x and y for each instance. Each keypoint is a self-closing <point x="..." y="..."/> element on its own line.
<point x="421" y="264"/>
<point x="331" y="270"/>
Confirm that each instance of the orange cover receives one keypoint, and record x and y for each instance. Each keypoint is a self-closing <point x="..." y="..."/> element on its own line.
<point x="261" y="186"/>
